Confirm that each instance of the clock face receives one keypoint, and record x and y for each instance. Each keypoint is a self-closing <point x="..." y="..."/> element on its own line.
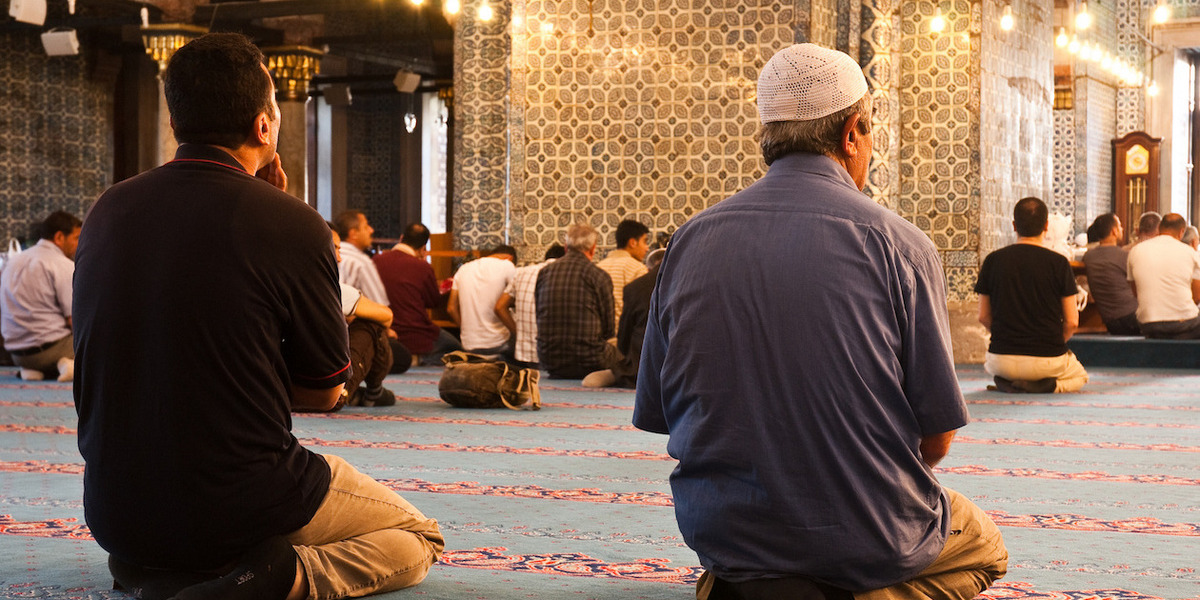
<point x="1137" y="161"/>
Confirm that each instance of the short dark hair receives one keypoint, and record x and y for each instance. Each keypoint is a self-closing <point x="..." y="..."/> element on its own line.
<point x="345" y="221"/>
<point x="1148" y="224"/>
<point x="629" y="230"/>
<point x="1102" y="227"/>
<point x="555" y="250"/>
<point x="503" y="249"/>
<point x="1172" y="223"/>
<point x="58" y="221"/>
<point x="415" y="236"/>
<point x="1030" y="216"/>
<point x="215" y="87"/>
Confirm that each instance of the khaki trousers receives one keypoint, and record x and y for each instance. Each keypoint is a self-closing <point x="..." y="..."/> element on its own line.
<point x="1066" y="369"/>
<point x="364" y="539"/>
<point x="974" y="556"/>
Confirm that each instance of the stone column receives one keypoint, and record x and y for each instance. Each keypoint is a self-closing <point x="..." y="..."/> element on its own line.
<point x="161" y="41"/>
<point x="293" y="68"/>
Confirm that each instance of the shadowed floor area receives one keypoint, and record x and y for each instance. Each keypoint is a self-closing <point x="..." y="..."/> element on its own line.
<point x="1097" y="493"/>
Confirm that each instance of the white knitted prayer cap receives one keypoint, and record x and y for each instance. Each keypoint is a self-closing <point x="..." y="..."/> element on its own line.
<point x="806" y="81"/>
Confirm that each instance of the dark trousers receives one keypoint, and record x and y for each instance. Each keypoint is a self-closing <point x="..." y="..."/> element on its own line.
<point x="1126" y="325"/>
<point x="370" y="355"/>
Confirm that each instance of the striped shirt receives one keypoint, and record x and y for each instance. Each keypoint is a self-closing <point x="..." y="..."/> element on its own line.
<point x="521" y="289"/>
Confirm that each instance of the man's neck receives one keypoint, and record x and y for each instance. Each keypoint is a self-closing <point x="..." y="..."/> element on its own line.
<point x="245" y="156"/>
<point x="1033" y="241"/>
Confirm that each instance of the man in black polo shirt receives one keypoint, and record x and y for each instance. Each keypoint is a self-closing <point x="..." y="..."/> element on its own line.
<point x="193" y="343"/>
<point x="1027" y="300"/>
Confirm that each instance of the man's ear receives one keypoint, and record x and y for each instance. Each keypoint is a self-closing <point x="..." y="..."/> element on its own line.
<point x="850" y="135"/>
<point x="262" y="129"/>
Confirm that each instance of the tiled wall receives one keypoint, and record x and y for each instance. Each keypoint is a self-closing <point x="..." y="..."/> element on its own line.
<point x="1064" y="162"/>
<point x="55" y="134"/>
<point x="1017" y="127"/>
<point x="374" y="121"/>
<point x="644" y="110"/>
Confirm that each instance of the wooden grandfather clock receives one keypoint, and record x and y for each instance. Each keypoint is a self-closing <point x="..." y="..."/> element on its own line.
<point x="1135" y="178"/>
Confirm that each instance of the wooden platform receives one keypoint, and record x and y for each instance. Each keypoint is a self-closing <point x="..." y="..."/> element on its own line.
<point x="1103" y="350"/>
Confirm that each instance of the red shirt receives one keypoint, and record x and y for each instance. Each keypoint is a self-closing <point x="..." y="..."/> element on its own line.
<point x="412" y="290"/>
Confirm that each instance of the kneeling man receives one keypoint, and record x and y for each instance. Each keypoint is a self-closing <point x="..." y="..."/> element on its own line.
<point x="191" y="357"/>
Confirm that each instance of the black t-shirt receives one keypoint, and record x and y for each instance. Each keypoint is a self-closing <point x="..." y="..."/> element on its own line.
<point x="1026" y="285"/>
<point x="201" y="295"/>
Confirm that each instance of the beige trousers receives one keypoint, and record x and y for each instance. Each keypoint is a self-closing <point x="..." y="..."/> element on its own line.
<point x="364" y="539"/>
<point x="974" y="556"/>
<point x="1066" y="369"/>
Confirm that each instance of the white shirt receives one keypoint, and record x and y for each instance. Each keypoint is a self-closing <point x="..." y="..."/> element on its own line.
<point x="356" y="269"/>
<point x="1163" y="268"/>
<point x="479" y="284"/>
<point x="35" y="294"/>
<point x="350" y="298"/>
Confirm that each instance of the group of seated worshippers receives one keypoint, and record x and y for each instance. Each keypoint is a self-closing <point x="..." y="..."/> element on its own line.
<point x="1151" y="287"/>
<point x="563" y="315"/>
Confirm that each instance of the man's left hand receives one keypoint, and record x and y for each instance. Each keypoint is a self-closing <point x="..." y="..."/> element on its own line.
<point x="273" y="174"/>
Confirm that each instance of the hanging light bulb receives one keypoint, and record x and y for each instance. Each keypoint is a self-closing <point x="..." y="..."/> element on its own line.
<point x="485" y="11"/>
<point x="410" y="122"/>
<point x="1083" y="19"/>
<point x="1162" y="12"/>
<point x="1152" y="89"/>
<point x="1073" y="46"/>
<point x="1006" y="21"/>
<point x="1085" y="51"/>
<point x="453" y="6"/>
<point x="1062" y="39"/>
<point x="1106" y="62"/>
<point x="418" y="2"/>
<point x="937" y="23"/>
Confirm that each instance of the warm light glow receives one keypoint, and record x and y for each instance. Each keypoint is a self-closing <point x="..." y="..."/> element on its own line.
<point x="1152" y="89"/>
<point x="1106" y="62"/>
<point x="418" y="2"/>
<point x="1073" y="47"/>
<point x="1006" y="21"/>
<point x="1162" y="12"/>
<point x="1085" y="51"/>
<point x="547" y="27"/>
<point x="517" y="21"/>
<point x="937" y="23"/>
<point x="1062" y="39"/>
<point x="1083" y="19"/>
<point x="452" y="6"/>
<point x="485" y="11"/>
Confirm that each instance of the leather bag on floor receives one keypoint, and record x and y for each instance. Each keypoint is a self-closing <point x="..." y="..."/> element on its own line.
<point x="475" y="381"/>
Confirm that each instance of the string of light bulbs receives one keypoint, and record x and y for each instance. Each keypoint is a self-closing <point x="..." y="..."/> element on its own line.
<point x="1085" y="50"/>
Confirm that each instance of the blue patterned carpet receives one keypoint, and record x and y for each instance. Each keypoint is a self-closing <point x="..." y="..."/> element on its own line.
<point x="1097" y="493"/>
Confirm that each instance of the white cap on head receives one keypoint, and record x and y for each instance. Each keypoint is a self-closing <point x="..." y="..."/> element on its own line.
<point x="806" y="81"/>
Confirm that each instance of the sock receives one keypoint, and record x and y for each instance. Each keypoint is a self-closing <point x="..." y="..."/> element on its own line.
<point x="265" y="572"/>
<point x="381" y="396"/>
<point x="151" y="584"/>
<point x="66" y="369"/>
<point x="31" y="374"/>
<point x="597" y="379"/>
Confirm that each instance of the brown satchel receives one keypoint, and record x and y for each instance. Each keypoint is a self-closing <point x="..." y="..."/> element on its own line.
<point x="475" y="381"/>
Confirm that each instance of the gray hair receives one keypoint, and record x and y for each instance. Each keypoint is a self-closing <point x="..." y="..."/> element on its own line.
<point x="581" y="237"/>
<point x="1190" y="234"/>
<point x="818" y="136"/>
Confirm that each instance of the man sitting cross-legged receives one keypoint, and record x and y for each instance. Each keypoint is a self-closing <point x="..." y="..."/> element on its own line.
<point x="370" y="348"/>
<point x="1027" y="300"/>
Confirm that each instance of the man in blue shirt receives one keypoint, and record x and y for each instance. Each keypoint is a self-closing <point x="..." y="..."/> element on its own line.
<point x="806" y="445"/>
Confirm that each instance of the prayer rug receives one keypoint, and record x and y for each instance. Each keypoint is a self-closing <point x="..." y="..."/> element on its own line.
<point x="1097" y="493"/>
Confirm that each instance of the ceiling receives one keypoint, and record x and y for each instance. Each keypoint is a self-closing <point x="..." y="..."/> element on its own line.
<point x="369" y="40"/>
